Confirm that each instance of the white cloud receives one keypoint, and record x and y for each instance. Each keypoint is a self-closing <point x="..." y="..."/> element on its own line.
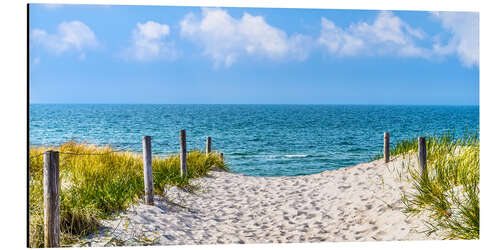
<point x="464" y="27"/>
<point x="225" y="39"/>
<point x="52" y="6"/>
<point x="70" y="36"/>
<point x="149" y="42"/>
<point x="388" y="34"/>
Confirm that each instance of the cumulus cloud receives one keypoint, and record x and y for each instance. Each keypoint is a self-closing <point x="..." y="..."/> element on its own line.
<point x="52" y="6"/>
<point x="149" y="42"/>
<point x="464" y="41"/>
<point x="388" y="34"/>
<point x="70" y="36"/>
<point x="225" y="39"/>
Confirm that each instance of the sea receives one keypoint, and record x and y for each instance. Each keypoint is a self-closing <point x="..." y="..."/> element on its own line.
<point x="257" y="140"/>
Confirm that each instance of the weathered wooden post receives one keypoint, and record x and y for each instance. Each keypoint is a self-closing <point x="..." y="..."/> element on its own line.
<point x="422" y="155"/>
<point x="209" y="145"/>
<point x="183" y="153"/>
<point x="387" y="148"/>
<point x="51" y="198"/>
<point x="148" y="169"/>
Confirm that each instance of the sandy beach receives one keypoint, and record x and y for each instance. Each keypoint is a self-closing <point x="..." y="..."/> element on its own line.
<point x="359" y="203"/>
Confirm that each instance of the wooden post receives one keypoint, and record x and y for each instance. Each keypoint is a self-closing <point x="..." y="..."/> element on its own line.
<point x="183" y="153"/>
<point x="51" y="203"/>
<point x="148" y="170"/>
<point x="387" y="148"/>
<point x="422" y="155"/>
<point x="209" y="145"/>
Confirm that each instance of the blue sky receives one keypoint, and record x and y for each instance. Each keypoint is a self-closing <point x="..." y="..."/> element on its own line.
<point x="161" y="54"/>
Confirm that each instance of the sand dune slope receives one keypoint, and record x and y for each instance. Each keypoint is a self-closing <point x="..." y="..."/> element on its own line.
<point x="359" y="203"/>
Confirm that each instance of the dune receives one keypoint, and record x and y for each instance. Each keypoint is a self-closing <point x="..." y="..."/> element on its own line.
<point x="358" y="203"/>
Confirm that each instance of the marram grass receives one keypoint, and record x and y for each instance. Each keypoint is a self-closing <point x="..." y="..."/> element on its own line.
<point x="93" y="187"/>
<point x="450" y="192"/>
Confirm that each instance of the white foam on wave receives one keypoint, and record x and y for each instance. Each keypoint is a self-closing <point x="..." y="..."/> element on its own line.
<point x="282" y="156"/>
<point x="296" y="156"/>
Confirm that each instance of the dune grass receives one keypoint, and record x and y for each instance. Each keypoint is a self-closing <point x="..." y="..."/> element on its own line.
<point x="449" y="193"/>
<point x="93" y="187"/>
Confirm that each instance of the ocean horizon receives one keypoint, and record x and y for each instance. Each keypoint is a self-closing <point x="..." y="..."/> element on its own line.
<point x="256" y="139"/>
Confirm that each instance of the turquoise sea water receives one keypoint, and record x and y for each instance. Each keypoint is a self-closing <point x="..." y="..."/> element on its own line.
<point x="259" y="140"/>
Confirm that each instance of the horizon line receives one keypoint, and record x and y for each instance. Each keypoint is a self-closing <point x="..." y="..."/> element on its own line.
<point x="355" y="104"/>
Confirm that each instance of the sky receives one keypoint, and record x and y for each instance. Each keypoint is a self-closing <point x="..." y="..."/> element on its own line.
<point x="193" y="55"/>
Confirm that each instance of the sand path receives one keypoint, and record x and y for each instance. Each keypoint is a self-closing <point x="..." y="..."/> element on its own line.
<point x="360" y="203"/>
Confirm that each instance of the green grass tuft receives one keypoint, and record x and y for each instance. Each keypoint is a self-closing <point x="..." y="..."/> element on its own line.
<point x="450" y="192"/>
<point x="93" y="187"/>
